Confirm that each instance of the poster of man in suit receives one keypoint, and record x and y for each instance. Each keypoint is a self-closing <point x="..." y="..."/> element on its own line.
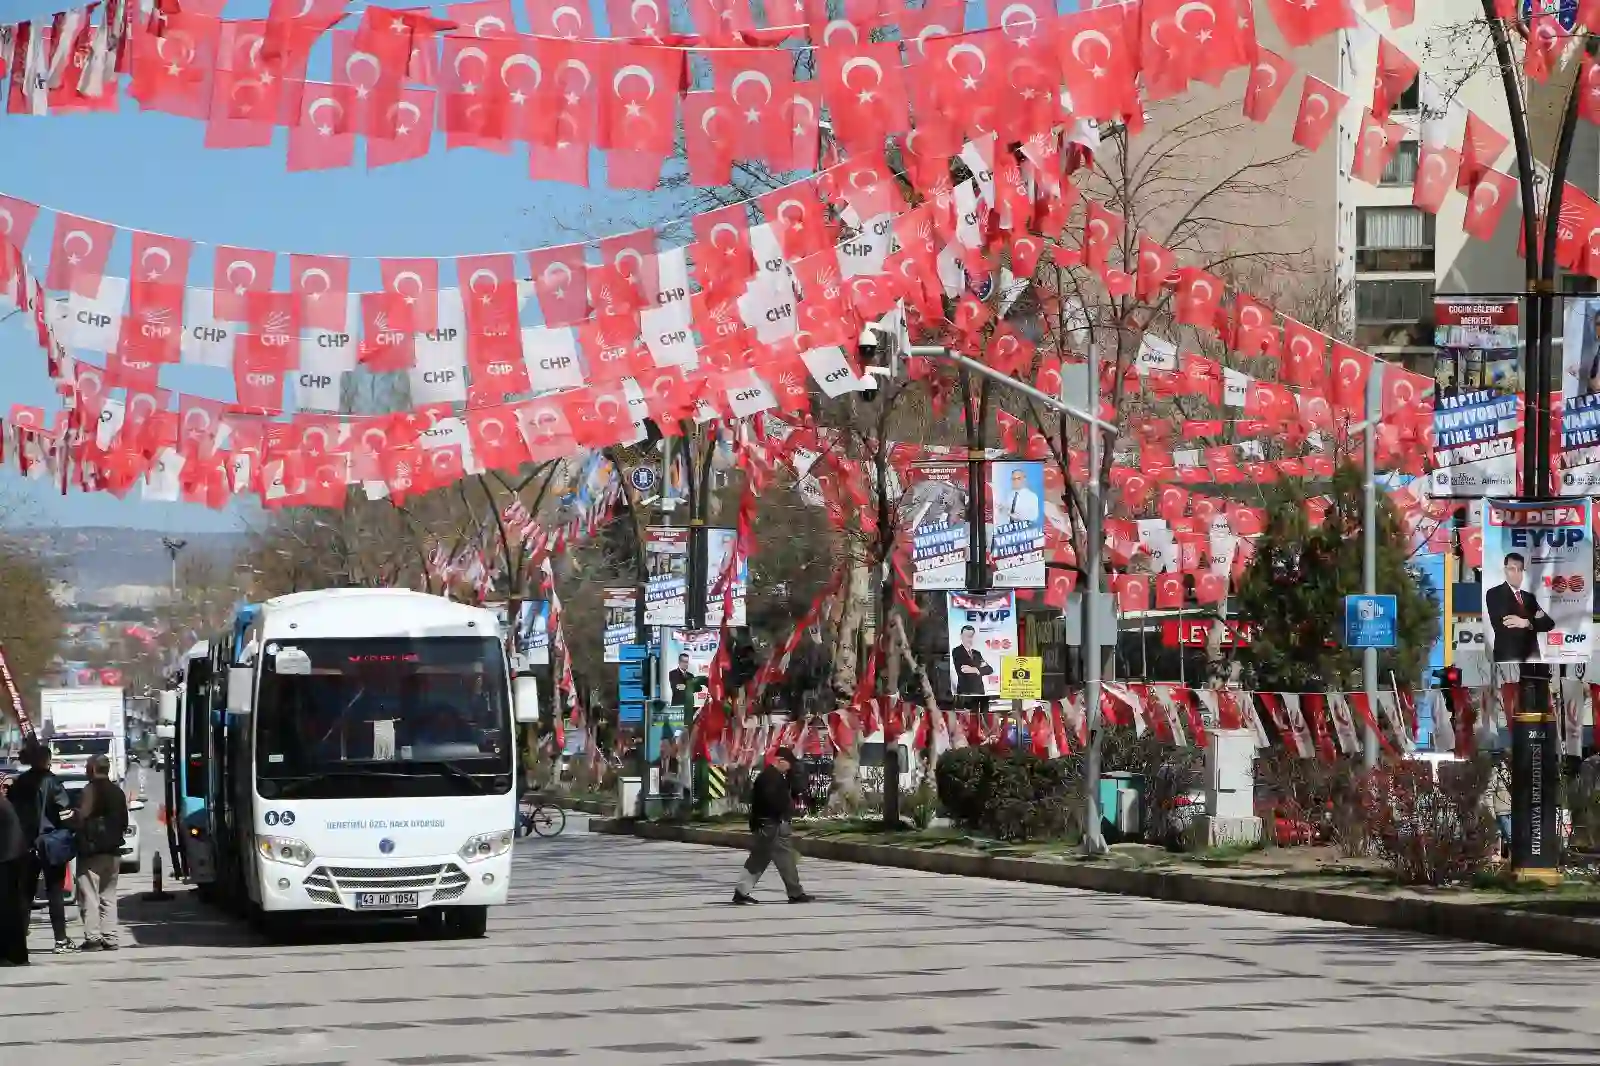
<point x="1538" y="580"/>
<point x="1016" y="526"/>
<point x="982" y="630"/>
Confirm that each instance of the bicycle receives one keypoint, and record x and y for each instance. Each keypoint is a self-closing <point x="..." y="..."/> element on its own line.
<point x="545" y="819"/>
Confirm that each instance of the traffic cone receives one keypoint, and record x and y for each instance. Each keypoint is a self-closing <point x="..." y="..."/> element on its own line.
<point x="157" y="893"/>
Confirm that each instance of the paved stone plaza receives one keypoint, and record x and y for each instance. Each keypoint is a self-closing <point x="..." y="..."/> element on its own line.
<point x="621" y="951"/>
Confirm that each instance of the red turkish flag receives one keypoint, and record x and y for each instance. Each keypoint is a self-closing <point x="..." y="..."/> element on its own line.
<point x="374" y="89"/>
<point x="475" y="103"/>
<point x="1320" y="104"/>
<point x="497" y="443"/>
<point x="1199" y="298"/>
<point x="78" y="253"/>
<point x="864" y="88"/>
<point x="1481" y="146"/>
<point x="757" y="84"/>
<point x="322" y="284"/>
<point x="797" y="218"/>
<point x="412" y="132"/>
<point x="1269" y="77"/>
<point x="1156" y="265"/>
<point x="1375" y="147"/>
<point x="632" y="256"/>
<point x="710" y="126"/>
<point x="649" y="19"/>
<point x="1303" y="21"/>
<point x="161" y="259"/>
<point x="494" y="337"/>
<point x="1253" y="330"/>
<point x="560" y="279"/>
<point x="1351" y="369"/>
<point x="1589" y="87"/>
<point x="1102" y="230"/>
<point x="1491" y="195"/>
<point x="16" y="222"/>
<point x="325" y="136"/>
<point x="1303" y="351"/>
<point x="1133" y="592"/>
<point x="413" y="288"/>
<point x="723" y="260"/>
<point x="1396" y="72"/>
<point x="1436" y="176"/>
<point x="1169" y="592"/>
<point x="237" y="272"/>
<point x="638" y="97"/>
<point x="172" y="65"/>
<point x="1099" y="62"/>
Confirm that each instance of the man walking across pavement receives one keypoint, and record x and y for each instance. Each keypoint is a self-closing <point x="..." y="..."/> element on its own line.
<point x="102" y="822"/>
<point x="771" y="812"/>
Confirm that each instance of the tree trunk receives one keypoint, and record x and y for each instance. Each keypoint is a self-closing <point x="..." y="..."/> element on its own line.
<point x="856" y="605"/>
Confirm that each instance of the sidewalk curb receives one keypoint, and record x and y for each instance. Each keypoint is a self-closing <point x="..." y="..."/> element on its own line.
<point x="1485" y="923"/>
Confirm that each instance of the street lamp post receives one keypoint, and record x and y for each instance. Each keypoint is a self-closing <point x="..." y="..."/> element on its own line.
<point x="174" y="546"/>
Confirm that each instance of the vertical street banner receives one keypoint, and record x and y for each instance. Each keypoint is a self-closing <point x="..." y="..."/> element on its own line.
<point x="982" y="631"/>
<point x="1577" y="463"/>
<point x="533" y="631"/>
<point x="1016" y="524"/>
<point x="24" y="723"/>
<point x="720" y="546"/>
<point x="699" y="647"/>
<point x="1478" y="381"/>
<point x="1538" y="580"/>
<point x="618" y="626"/>
<point x="666" y="590"/>
<point x="937" y="504"/>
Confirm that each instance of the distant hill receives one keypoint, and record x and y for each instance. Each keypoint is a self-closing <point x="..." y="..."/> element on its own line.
<point x="99" y="557"/>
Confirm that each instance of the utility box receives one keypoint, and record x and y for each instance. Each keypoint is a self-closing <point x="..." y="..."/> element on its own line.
<point x="1230" y="791"/>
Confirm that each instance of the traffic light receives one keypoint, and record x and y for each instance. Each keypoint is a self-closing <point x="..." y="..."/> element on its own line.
<point x="1447" y="677"/>
<point x="741" y="664"/>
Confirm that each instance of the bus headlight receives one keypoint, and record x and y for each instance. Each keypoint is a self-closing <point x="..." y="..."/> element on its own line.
<point x="284" y="849"/>
<point x="486" y="846"/>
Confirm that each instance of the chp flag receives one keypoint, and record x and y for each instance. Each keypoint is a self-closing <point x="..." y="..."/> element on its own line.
<point x="1538" y="580"/>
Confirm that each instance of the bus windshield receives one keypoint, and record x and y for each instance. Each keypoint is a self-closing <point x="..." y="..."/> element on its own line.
<point x="384" y="717"/>
<point x="71" y="746"/>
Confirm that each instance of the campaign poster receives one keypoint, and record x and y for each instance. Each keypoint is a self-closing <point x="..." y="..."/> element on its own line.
<point x="619" y="629"/>
<point x="690" y="653"/>
<point x="1478" y="381"/>
<point x="720" y="547"/>
<point x="1538" y="573"/>
<point x="1577" y="470"/>
<point x="1016" y="524"/>
<point x="937" y="505"/>
<point x="666" y="590"/>
<point x="533" y="632"/>
<point x="982" y="631"/>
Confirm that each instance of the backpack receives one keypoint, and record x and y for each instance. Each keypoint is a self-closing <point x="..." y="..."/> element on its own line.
<point x="55" y="846"/>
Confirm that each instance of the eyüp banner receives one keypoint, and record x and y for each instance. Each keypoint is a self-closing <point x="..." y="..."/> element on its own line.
<point x="720" y="546"/>
<point x="1016" y="526"/>
<point x="666" y="590"/>
<point x="1538" y="580"/>
<point x="533" y="631"/>
<point x="1478" y="381"/>
<point x="618" y="605"/>
<point x="982" y="631"/>
<point x="1578" y="462"/>
<point x="939" y="531"/>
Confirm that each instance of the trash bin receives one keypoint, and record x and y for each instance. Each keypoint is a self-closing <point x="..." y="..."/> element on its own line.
<point x="1119" y="805"/>
<point x="627" y="797"/>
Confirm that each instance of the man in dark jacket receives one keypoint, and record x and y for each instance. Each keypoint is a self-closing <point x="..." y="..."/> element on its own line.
<point x="771" y="809"/>
<point x="102" y="821"/>
<point x="41" y="804"/>
<point x="16" y="898"/>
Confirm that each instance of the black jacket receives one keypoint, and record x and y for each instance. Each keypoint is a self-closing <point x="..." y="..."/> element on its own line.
<point x="102" y="818"/>
<point x="1515" y="645"/>
<point x="770" y="797"/>
<point x="26" y="794"/>
<point x="14" y="843"/>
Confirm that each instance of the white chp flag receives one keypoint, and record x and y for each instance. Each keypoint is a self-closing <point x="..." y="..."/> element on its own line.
<point x="1156" y="353"/>
<point x="672" y="278"/>
<point x="207" y="340"/>
<point x="551" y="356"/>
<point x="110" y="424"/>
<point x="1235" y="387"/>
<point x="769" y="253"/>
<point x="318" y="382"/>
<point x="447" y="345"/>
<point x="767" y="307"/>
<point x="669" y="334"/>
<point x="864" y="254"/>
<point x="748" y="394"/>
<point x="162" y="482"/>
<point x="832" y="371"/>
<point x="94" y="324"/>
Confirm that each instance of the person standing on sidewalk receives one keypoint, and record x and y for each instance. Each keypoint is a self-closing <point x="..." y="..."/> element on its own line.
<point x="102" y="822"/>
<point x="41" y="804"/>
<point x="16" y="898"/>
<point x="771" y="812"/>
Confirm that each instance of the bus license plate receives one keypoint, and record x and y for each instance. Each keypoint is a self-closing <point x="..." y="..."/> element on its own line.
<point x="385" y="901"/>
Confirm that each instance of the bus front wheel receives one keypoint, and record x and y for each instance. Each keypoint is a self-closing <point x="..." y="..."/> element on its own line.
<point x="468" y="923"/>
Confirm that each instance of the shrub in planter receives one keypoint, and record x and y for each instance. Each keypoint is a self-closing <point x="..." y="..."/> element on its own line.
<point x="1006" y="795"/>
<point x="1431" y="832"/>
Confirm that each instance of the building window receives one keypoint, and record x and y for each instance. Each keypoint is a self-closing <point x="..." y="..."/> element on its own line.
<point x="1394" y="238"/>
<point x="1394" y="314"/>
<point x="1402" y="166"/>
<point x="1411" y="99"/>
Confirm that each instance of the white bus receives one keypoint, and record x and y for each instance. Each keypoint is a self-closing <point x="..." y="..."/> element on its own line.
<point x="369" y="760"/>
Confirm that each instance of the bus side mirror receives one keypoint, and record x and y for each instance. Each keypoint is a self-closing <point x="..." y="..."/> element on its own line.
<point x="525" y="699"/>
<point x="240" y="693"/>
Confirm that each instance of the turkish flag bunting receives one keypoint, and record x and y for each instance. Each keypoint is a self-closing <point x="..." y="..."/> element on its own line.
<point x="78" y="253"/>
<point x="1396" y="72"/>
<point x="1156" y="266"/>
<point x="325" y="136"/>
<point x="1304" y="21"/>
<point x="322" y="283"/>
<point x="1589" y="87"/>
<point x="172" y="66"/>
<point x="1303" y="352"/>
<point x="638" y="97"/>
<point x="1492" y="193"/>
<point x="413" y="289"/>
<point x="1320" y="104"/>
<point x="374" y="89"/>
<point x="864" y="88"/>
<point x="796" y="216"/>
<point x="1102" y="230"/>
<point x="710" y="126"/>
<point x="560" y="279"/>
<point x="1436" y="176"/>
<point x="1199" y="298"/>
<point x="237" y="272"/>
<point x="723" y="260"/>
<point x="1269" y="77"/>
<point x="1351" y="369"/>
<point x="1099" y="63"/>
<point x="757" y="84"/>
<point x="1481" y="146"/>
<point x="161" y="259"/>
<point x="1375" y="147"/>
<point x="412" y="131"/>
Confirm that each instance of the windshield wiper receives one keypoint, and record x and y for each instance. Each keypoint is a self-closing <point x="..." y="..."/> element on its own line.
<point x="453" y="770"/>
<point x="296" y="785"/>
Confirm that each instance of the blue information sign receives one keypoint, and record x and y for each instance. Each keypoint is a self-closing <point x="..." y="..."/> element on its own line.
<point x="1371" y="621"/>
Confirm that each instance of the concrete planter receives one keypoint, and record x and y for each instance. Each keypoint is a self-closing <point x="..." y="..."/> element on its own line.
<point x="1462" y="920"/>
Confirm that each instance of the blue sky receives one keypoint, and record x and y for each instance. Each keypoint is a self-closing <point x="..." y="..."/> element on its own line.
<point x="145" y="170"/>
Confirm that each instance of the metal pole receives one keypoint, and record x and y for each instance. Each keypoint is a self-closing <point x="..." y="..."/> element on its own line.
<point x="1369" y="549"/>
<point x="1094" y="842"/>
<point x="1055" y="403"/>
